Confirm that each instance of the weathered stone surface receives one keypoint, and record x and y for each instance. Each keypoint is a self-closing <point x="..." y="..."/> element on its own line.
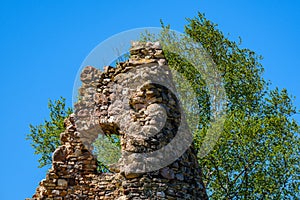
<point x="167" y="173"/>
<point x="59" y="154"/>
<point x="146" y="122"/>
<point x="62" y="182"/>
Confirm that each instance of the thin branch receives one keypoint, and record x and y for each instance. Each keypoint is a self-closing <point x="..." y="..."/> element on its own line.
<point x="218" y="175"/>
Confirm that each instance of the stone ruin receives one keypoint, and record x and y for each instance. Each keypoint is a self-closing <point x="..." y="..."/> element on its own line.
<point x="135" y="100"/>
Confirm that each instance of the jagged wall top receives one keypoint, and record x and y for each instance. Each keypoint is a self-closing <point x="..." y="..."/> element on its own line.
<point x="137" y="101"/>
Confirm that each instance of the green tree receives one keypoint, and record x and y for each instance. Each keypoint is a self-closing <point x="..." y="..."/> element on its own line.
<point x="108" y="151"/>
<point x="257" y="154"/>
<point x="45" y="137"/>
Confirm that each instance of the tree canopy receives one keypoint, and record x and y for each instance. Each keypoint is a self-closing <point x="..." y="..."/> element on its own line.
<point x="257" y="154"/>
<point x="45" y="137"/>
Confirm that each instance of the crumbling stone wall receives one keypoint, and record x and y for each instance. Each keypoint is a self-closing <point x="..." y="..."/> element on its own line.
<point x="137" y="101"/>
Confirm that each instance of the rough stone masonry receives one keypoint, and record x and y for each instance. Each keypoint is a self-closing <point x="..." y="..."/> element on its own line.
<point x="137" y="101"/>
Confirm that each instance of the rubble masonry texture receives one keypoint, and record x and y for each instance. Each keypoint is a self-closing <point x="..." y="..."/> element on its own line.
<point x="74" y="172"/>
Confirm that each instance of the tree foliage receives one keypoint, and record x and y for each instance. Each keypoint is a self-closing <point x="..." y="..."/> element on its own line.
<point x="45" y="137"/>
<point x="257" y="154"/>
<point x="108" y="151"/>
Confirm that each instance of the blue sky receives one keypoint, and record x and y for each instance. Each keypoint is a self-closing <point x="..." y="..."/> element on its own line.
<point x="43" y="44"/>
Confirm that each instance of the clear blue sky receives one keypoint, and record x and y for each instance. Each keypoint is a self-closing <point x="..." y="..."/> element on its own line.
<point x="43" y="43"/>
